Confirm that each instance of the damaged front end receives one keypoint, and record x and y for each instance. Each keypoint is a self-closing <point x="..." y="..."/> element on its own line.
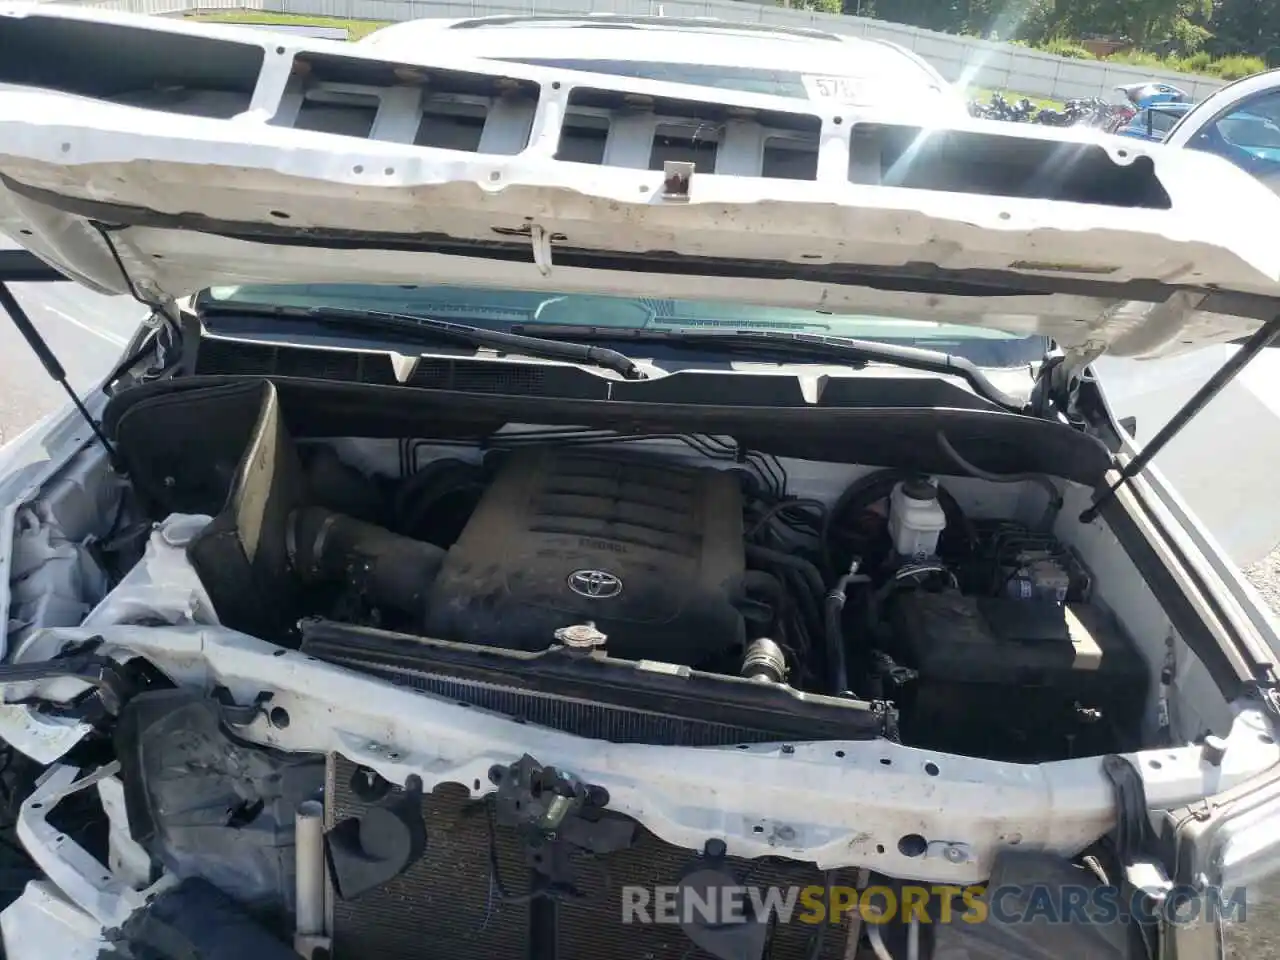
<point x="333" y="634"/>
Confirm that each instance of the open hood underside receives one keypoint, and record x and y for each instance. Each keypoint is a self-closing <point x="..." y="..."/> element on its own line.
<point x="191" y="171"/>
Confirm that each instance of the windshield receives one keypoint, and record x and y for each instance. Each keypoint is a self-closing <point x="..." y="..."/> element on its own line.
<point x="501" y="309"/>
<point x="1247" y="134"/>
<point x="1162" y="121"/>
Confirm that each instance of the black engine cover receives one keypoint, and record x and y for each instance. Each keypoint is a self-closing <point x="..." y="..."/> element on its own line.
<point x="650" y="552"/>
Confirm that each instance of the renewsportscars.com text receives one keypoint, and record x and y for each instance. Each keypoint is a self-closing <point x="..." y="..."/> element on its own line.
<point x="928" y="904"/>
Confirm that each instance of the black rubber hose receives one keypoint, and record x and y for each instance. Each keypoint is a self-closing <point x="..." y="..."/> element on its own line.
<point x="837" y="669"/>
<point x="808" y="591"/>
<point x="817" y="506"/>
<point x="807" y="608"/>
<point x="954" y="513"/>
<point x="836" y="600"/>
<point x="762" y="583"/>
<point x="767" y="556"/>
<point x="875" y="602"/>
<point x="832" y="634"/>
<point x="1041" y="480"/>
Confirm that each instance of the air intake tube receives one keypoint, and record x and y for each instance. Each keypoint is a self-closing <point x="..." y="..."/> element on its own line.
<point x="387" y="569"/>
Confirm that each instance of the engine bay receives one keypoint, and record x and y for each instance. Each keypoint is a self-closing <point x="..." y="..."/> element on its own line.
<point x="678" y="577"/>
<point x="884" y="629"/>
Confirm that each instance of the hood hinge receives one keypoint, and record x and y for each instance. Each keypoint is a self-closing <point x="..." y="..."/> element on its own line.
<point x="1058" y="379"/>
<point x="166" y="308"/>
<point x="146" y="292"/>
<point x="1265" y="687"/>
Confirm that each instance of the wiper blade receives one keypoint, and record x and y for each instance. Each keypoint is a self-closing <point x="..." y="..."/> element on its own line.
<point x="428" y="328"/>
<point x="790" y="344"/>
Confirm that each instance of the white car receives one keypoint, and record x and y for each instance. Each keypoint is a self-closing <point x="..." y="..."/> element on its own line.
<point x="1239" y="122"/>
<point x="577" y="509"/>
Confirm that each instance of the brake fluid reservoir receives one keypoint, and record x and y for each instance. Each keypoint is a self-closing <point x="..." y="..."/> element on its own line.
<point x="915" y="519"/>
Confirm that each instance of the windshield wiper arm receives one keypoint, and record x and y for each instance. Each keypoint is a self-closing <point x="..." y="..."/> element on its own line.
<point x="429" y="328"/>
<point x="807" y="345"/>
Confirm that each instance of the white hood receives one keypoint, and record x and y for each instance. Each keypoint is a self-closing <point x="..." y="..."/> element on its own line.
<point x="189" y="171"/>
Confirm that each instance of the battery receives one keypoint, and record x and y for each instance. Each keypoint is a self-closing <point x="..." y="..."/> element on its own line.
<point x="1019" y="679"/>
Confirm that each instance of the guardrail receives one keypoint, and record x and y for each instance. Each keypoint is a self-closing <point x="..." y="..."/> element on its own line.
<point x="967" y="60"/>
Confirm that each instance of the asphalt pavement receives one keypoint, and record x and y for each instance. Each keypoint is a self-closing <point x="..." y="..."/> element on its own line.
<point x="86" y="331"/>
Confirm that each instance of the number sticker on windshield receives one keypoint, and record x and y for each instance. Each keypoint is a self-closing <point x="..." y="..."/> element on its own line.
<point x="851" y="90"/>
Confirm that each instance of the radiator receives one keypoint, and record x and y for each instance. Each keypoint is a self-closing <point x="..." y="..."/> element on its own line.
<point x="585" y="698"/>
<point x="447" y="905"/>
<point x="595" y="721"/>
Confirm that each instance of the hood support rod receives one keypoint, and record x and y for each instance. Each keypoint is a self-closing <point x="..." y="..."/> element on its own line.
<point x="1262" y="338"/>
<point x="49" y="361"/>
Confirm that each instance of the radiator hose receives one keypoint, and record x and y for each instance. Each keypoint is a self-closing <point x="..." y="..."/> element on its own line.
<point x="1054" y="503"/>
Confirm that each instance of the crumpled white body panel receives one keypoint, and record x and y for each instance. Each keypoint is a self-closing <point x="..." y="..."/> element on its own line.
<point x="833" y="803"/>
<point x="42" y="924"/>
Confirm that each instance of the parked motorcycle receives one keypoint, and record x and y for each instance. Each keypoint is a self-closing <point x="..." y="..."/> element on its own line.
<point x="998" y="108"/>
<point x="1078" y="111"/>
<point x="1120" y="116"/>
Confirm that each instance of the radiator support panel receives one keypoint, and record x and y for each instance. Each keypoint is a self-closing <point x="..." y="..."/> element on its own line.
<point x="451" y="902"/>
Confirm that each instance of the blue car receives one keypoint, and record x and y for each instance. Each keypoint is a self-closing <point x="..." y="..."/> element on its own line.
<point x="1240" y="122"/>
<point x="1154" y="123"/>
<point x="1149" y="93"/>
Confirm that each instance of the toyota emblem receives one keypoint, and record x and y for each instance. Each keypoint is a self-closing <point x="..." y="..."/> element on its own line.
<point x="594" y="584"/>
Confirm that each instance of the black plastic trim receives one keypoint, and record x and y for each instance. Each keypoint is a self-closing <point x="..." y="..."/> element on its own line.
<point x="23" y="266"/>
<point x="888" y="436"/>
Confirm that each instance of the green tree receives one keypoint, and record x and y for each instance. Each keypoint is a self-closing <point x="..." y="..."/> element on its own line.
<point x="1146" y="23"/>
<point x="1246" y="26"/>
<point x="821" y="6"/>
